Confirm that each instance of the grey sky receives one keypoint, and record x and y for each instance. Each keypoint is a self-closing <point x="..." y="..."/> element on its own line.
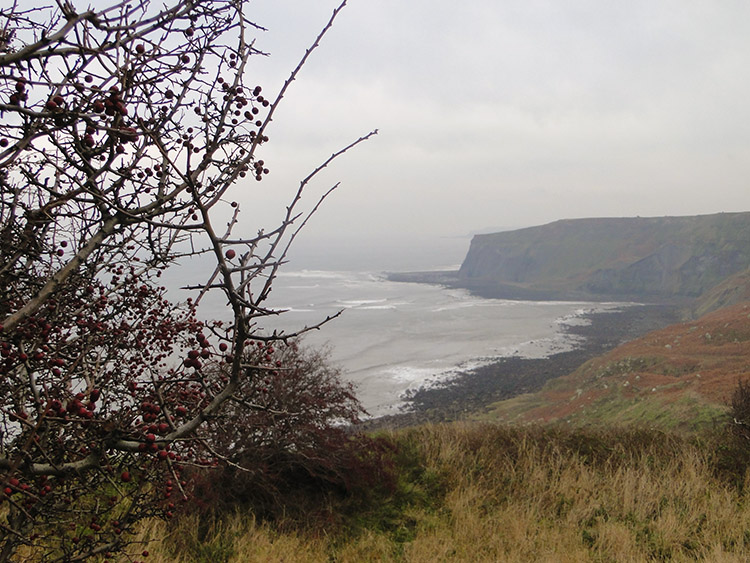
<point x="509" y="113"/>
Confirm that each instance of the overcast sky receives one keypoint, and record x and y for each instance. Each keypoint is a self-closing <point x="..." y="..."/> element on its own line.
<point x="507" y="113"/>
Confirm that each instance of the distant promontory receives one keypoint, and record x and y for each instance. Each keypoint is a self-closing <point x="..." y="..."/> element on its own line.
<point x="643" y="258"/>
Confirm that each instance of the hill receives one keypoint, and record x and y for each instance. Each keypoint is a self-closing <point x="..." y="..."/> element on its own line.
<point x="681" y="376"/>
<point x="653" y="258"/>
<point x="734" y="289"/>
<point x="481" y="492"/>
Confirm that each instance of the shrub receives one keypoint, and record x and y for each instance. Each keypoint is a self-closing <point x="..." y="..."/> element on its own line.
<point x="289" y="444"/>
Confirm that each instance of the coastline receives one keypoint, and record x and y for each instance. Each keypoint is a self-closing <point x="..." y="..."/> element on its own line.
<point x="474" y="389"/>
<point x="493" y="289"/>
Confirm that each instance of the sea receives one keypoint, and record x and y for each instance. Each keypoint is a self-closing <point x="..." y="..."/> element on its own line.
<point x="390" y="338"/>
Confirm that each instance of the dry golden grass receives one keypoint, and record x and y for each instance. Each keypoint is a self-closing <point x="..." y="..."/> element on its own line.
<point x="491" y="493"/>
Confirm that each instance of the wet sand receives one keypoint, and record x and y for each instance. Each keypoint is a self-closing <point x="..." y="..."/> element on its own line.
<point x="472" y="390"/>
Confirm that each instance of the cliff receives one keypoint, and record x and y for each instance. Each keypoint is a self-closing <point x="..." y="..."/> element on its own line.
<point x="643" y="258"/>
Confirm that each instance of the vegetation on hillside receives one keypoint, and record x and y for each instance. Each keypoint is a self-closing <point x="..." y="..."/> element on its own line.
<point x="681" y="377"/>
<point x="731" y="291"/>
<point x="480" y="492"/>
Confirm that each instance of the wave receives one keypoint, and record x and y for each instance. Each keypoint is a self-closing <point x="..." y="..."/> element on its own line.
<point x="325" y="274"/>
<point x="578" y="317"/>
<point x="409" y="374"/>
<point x="462" y="305"/>
<point x="297" y="310"/>
<point x="359" y="302"/>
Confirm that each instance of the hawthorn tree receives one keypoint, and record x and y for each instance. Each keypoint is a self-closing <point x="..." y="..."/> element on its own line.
<point x="123" y="131"/>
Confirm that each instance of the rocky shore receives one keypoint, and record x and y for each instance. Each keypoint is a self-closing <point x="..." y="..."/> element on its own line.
<point x="473" y="390"/>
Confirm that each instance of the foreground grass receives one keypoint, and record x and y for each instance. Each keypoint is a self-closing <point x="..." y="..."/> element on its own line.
<point x="478" y="492"/>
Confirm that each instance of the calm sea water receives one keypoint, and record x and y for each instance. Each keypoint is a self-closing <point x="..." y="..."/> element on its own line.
<point x="393" y="337"/>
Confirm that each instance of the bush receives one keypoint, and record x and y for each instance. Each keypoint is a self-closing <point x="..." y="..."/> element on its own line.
<point x="741" y="409"/>
<point x="733" y="447"/>
<point x="291" y="443"/>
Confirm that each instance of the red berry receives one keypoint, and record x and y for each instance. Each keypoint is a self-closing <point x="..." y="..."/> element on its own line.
<point x="230" y="253"/>
<point x="125" y="476"/>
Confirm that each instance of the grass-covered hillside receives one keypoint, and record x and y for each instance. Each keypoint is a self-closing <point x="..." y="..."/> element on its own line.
<point x="678" y="377"/>
<point x="731" y="291"/>
<point x="480" y="492"/>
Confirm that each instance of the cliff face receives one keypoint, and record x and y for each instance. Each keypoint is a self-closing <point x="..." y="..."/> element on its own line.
<point x="629" y="257"/>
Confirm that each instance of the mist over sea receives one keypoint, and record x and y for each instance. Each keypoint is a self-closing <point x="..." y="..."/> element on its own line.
<point x="393" y="337"/>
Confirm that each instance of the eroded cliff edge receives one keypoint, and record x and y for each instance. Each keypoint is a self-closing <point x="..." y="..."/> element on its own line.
<point x="643" y="258"/>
